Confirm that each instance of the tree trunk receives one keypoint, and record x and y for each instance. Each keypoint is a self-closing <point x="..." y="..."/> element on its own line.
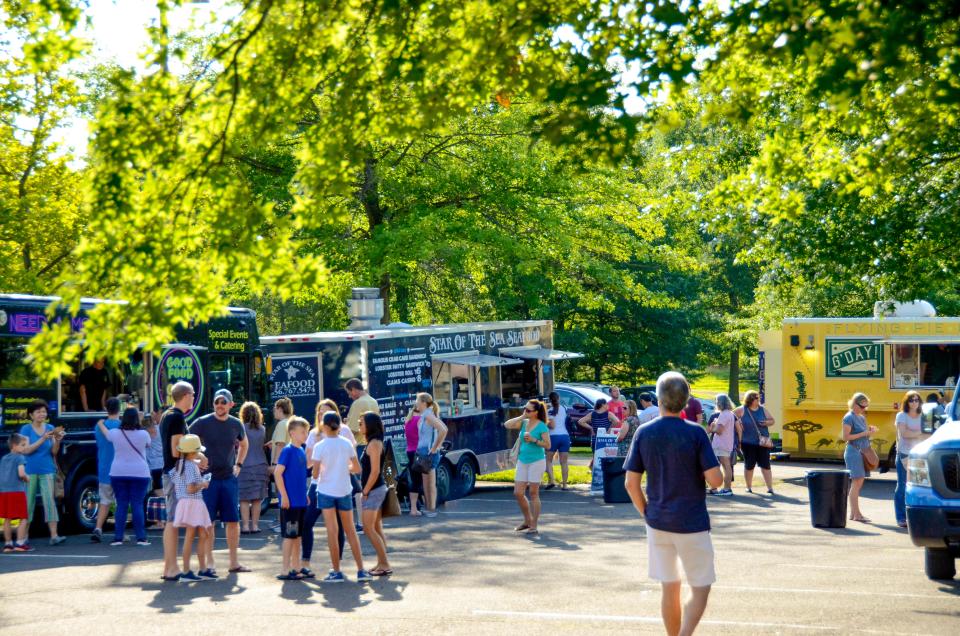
<point x="369" y="195"/>
<point x="385" y="295"/>
<point x="733" y="388"/>
<point x="27" y="261"/>
<point x="596" y="372"/>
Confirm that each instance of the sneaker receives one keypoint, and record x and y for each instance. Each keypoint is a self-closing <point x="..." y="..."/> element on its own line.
<point x="363" y="576"/>
<point x="725" y="493"/>
<point x="8" y="547"/>
<point x="115" y="543"/>
<point x="23" y="547"/>
<point x="208" y="575"/>
<point x="359" y="529"/>
<point x="189" y="577"/>
<point x="430" y="513"/>
<point x="713" y="491"/>
<point x="770" y="491"/>
<point x="335" y="577"/>
<point x="97" y="535"/>
<point x="57" y="540"/>
<point x="143" y="542"/>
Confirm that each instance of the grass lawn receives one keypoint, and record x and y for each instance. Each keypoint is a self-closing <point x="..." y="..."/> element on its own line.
<point x="577" y="475"/>
<point x="711" y="383"/>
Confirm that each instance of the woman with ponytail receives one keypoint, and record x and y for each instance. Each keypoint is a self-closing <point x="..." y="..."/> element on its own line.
<point x="431" y="431"/>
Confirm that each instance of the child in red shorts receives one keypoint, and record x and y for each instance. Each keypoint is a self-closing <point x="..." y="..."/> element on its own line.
<point x="13" y="494"/>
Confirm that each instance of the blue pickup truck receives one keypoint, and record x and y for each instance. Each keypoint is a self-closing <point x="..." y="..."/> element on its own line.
<point x="933" y="491"/>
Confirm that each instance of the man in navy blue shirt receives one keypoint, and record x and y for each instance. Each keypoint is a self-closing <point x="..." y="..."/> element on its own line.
<point x="679" y="462"/>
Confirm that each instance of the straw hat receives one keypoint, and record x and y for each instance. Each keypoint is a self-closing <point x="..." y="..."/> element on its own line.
<point x="190" y="444"/>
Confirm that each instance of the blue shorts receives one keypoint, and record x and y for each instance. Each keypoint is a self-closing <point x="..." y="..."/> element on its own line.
<point x="223" y="497"/>
<point x="559" y="444"/>
<point x="434" y="457"/>
<point x="339" y="503"/>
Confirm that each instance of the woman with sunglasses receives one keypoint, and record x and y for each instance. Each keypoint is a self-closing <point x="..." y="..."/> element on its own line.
<point x="531" y="462"/>
<point x="857" y="435"/>
<point x="909" y="434"/>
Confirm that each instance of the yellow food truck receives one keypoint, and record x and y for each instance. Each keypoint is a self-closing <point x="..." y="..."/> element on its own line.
<point x="812" y="366"/>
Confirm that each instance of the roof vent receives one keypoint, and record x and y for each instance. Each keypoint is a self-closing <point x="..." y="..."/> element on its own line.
<point x="912" y="309"/>
<point x="365" y="308"/>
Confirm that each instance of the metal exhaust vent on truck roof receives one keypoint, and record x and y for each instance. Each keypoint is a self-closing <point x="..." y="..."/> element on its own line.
<point x="365" y="308"/>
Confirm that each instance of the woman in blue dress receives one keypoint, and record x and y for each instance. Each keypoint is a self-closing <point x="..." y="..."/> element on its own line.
<point x="856" y="433"/>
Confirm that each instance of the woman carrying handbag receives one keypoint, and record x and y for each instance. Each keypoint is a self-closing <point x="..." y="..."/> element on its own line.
<point x="431" y="431"/>
<point x="755" y="443"/>
<point x="856" y="434"/>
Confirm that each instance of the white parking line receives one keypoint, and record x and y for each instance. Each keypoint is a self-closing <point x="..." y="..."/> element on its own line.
<point x="652" y="620"/>
<point x="839" y="567"/>
<point x="56" y="556"/>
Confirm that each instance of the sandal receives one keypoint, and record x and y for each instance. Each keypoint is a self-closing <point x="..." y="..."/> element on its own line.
<point x="257" y="531"/>
<point x="240" y="568"/>
<point x="531" y="531"/>
<point x="381" y="572"/>
<point x="522" y="527"/>
<point x="861" y="519"/>
<point x="292" y="575"/>
<point x="307" y="573"/>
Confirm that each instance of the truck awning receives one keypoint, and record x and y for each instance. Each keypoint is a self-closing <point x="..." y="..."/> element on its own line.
<point x="476" y="360"/>
<point x="919" y="340"/>
<point x="541" y="353"/>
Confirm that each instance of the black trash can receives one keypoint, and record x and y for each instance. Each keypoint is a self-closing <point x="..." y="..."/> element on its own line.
<point x="828" y="497"/>
<point x="614" y="476"/>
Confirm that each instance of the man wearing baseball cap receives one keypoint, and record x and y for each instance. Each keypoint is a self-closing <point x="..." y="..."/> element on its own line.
<point x="227" y="447"/>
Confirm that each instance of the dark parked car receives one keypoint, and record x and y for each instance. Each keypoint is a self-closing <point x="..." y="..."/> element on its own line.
<point x="579" y="399"/>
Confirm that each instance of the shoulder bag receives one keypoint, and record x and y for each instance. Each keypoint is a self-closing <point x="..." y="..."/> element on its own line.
<point x="391" y="503"/>
<point x="515" y="451"/>
<point x="765" y="441"/>
<point x="870" y="459"/>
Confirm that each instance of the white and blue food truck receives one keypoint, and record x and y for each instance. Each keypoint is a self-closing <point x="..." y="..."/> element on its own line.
<point x="479" y="374"/>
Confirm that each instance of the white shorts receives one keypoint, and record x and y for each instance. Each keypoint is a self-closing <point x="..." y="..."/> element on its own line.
<point x="530" y="473"/>
<point x="695" y="551"/>
<point x="106" y="494"/>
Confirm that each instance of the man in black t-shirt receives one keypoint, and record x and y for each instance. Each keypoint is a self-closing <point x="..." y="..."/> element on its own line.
<point x="679" y="461"/>
<point x="93" y="386"/>
<point x="173" y="426"/>
<point x="226" y="443"/>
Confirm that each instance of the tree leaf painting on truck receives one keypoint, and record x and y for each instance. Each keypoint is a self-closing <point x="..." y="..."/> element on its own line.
<point x="802" y="428"/>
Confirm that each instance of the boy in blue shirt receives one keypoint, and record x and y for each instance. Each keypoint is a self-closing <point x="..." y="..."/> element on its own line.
<point x="291" y="479"/>
<point x="104" y="460"/>
<point x="13" y="494"/>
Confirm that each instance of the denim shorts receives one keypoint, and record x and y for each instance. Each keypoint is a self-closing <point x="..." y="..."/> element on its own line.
<point x="374" y="500"/>
<point x="223" y="497"/>
<point x="434" y="457"/>
<point x="338" y="503"/>
<point x="559" y="444"/>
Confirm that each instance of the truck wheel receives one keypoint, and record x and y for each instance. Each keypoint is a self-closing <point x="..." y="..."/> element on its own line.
<point x="83" y="504"/>
<point x="444" y="482"/>
<point x="466" y="477"/>
<point x="939" y="564"/>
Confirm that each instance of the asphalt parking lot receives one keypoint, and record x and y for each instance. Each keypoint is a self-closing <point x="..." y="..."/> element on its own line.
<point x="465" y="572"/>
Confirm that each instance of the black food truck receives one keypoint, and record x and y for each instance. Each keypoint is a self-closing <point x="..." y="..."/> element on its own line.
<point x="222" y="353"/>
<point x="478" y="373"/>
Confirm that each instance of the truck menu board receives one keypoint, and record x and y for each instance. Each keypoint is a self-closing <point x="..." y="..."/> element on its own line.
<point x="401" y="367"/>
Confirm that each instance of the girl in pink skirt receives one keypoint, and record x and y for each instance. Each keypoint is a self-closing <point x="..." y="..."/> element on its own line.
<point x="191" y="512"/>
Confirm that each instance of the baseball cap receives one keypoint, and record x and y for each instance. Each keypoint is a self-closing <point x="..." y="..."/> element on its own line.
<point x="646" y="396"/>
<point x="223" y="393"/>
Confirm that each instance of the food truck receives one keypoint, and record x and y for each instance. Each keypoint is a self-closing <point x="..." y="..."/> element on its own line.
<point x="222" y="353"/>
<point x="478" y="373"/>
<point x="811" y="366"/>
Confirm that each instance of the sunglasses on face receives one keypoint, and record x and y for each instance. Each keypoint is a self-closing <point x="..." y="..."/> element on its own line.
<point x="220" y="402"/>
<point x="863" y="406"/>
<point x="529" y="410"/>
<point x="913" y="399"/>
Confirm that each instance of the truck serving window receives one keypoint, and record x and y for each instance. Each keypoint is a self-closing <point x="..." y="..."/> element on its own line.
<point x="454" y="382"/>
<point x="15" y="373"/>
<point x="521" y="380"/>
<point x="100" y="381"/>
<point x="930" y="365"/>
<point x="229" y="372"/>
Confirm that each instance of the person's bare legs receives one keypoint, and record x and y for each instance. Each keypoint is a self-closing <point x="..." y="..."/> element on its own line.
<point x="170" y="540"/>
<point x="549" y="458"/>
<point x="255" y="515"/>
<point x="430" y="490"/>
<point x="373" y="534"/>
<point x="693" y="609"/>
<point x="245" y="516"/>
<point x="670" y="607"/>
<point x="383" y="535"/>
<point x="727" y="472"/>
<point x="564" y="468"/>
<point x="519" y="492"/>
<point x="233" y="543"/>
<point x="534" y="505"/>
<point x="349" y="529"/>
<point x="188" y="547"/>
<point x="203" y="547"/>
<point x="855" y="486"/>
<point x="103" y="511"/>
<point x="767" y="477"/>
<point x="330" y="523"/>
